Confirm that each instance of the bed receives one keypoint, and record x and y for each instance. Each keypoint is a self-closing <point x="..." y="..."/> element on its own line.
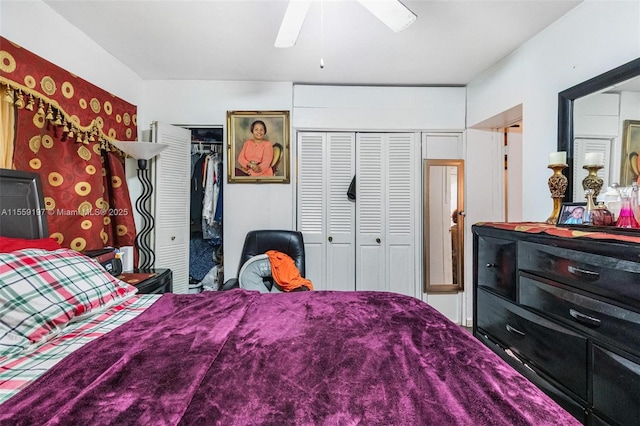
<point x="239" y="357"/>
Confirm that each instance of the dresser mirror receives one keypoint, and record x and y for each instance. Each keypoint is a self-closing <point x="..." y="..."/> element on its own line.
<point x="443" y="226"/>
<point x="586" y="123"/>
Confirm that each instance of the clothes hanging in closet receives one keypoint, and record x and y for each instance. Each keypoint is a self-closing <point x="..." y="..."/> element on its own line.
<point x="206" y="195"/>
<point x="197" y="190"/>
<point x="205" y="210"/>
<point x="212" y="184"/>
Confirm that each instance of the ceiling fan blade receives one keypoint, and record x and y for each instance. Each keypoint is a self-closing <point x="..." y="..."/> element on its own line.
<point x="394" y="14"/>
<point x="292" y="22"/>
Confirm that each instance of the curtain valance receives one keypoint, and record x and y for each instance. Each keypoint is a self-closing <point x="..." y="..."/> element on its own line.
<point x="81" y="110"/>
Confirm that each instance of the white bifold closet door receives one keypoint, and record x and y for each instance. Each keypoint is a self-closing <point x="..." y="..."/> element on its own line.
<point x="386" y="212"/>
<point x="581" y="146"/>
<point x="369" y="244"/>
<point x="326" y="217"/>
<point x="172" y="201"/>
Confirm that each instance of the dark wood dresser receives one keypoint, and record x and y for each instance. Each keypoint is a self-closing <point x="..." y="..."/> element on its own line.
<point x="160" y="282"/>
<point x="565" y="312"/>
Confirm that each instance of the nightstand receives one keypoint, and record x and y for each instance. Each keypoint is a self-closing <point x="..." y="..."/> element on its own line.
<point x="150" y="281"/>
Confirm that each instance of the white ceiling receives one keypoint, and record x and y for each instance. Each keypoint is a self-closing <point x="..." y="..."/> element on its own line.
<point x="450" y="43"/>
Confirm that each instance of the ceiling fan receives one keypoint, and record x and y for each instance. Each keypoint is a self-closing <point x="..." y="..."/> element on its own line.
<point x="391" y="12"/>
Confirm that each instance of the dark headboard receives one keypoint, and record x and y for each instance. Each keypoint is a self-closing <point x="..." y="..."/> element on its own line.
<point x="22" y="212"/>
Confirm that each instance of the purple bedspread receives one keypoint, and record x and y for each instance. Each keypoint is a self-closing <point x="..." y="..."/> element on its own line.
<point x="311" y="358"/>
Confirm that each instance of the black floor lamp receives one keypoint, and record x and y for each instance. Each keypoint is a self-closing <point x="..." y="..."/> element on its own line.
<point x="143" y="152"/>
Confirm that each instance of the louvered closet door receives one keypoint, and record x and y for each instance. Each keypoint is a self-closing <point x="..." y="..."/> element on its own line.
<point x="386" y="212"/>
<point x="172" y="201"/>
<point x="325" y="215"/>
<point x="370" y="235"/>
<point x="403" y="171"/>
<point x="581" y="147"/>
<point x="340" y="212"/>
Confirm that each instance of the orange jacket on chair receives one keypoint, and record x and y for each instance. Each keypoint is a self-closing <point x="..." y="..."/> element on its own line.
<point x="285" y="272"/>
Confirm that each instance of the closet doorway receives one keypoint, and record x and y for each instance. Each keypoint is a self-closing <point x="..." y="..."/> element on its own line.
<point x="205" y="223"/>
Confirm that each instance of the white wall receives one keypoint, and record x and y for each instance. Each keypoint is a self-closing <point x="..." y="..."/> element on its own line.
<point x="36" y="27"/>
<point x="594" y="37"/>
<point x="379" y="108"/>
<point x="247" y="206"/>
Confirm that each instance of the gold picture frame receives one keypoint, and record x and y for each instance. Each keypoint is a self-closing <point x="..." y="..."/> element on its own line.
<point x="630" y="168"/>
<point x="248" y="165"/>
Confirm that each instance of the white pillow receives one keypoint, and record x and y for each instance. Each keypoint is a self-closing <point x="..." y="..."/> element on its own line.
<point x="252" y="273"/>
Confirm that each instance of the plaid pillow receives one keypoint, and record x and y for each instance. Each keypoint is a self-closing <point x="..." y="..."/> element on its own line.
<point x="41" y="291"/>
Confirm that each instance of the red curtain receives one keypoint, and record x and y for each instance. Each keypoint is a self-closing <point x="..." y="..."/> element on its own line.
<point x="63" y="124"/>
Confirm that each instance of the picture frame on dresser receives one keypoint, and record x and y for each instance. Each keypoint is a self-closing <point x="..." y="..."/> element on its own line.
<point x="571" y="214"/>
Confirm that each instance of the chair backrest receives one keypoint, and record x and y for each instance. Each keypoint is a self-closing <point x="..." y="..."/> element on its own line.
<point x="284" y="241"/>
<point x="277" y="156"/>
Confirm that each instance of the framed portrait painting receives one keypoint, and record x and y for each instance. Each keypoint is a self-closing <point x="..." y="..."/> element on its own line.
<point x="630" y="168"/>
<point x="258" y="146"/>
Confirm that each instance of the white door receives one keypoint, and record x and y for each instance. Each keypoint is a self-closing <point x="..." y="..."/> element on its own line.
<point x="387" y="212"/>
<point x="172" y="192"/>
<point x="581" y="146"/>
<point x="371" y="198"/>
<point x="484" y="198"/>
<point x="341" y="212"/>
<point x="369" y="244"/>
<point x="402" y="213"/>
<point x="325" y="215"/>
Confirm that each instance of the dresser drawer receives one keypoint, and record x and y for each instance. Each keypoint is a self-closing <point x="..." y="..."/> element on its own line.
<point x="613" y="278"/>
<point x="616" y="386"/>
<point x="161" y="282"/>
<point x="497" y="265"/>
<point x="602" y="320"/>
<point x="548" y="347"/>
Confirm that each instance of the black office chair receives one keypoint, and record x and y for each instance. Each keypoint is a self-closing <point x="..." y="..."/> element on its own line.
<point x="258" y="242"/>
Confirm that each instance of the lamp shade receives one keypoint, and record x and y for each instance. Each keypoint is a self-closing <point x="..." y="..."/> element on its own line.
<point x="140" y="150"/>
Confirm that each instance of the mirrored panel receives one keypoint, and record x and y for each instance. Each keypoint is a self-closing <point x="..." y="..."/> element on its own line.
<point x="443" y="226"/>
<point x="591" y="118"/>
<point x="600" y="125"/>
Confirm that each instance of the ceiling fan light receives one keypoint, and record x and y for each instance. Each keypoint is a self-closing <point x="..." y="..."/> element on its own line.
<point x="292" y="23"/>
<point x="394" y="14"/>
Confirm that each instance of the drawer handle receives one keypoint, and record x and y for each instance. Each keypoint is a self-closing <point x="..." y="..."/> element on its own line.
<point x="584" y="319"/>
<point x="515" y="331"/>
<point x="583" y="273"/>
<point x="492" y="265"/>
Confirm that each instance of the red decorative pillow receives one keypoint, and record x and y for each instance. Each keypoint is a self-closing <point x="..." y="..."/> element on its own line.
<point x="7" y="244"/>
